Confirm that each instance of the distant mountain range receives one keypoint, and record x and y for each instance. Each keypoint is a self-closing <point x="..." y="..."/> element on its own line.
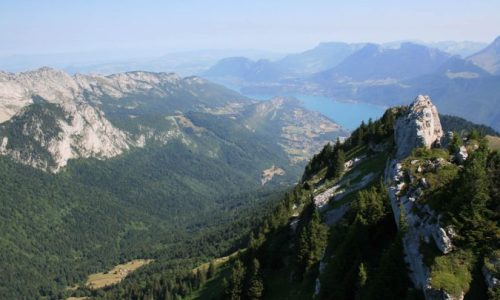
<point x="382" y="74"/>
<point x="184" y="63"/>
<point x="373" y="62"/>
<point x="387" y="74"/>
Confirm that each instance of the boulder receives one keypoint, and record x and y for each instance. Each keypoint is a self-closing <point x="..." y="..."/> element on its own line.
<point x="462" y="154"/>
<point x="443" y="241"/>
<point x="424" y="183"/>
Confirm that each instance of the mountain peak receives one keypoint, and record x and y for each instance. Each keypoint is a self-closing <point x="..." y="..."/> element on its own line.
<point x="497" y="41"/>
<point x="44" y="69"/>
<point x="488" y="58"/>
<point x="418" y="127"/>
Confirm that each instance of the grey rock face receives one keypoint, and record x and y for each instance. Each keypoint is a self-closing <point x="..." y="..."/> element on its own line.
<point x="419" y="127"/>
<point x="490" y="280"/>
<point x="70" y="127"/>
<point x="462" y="154"/>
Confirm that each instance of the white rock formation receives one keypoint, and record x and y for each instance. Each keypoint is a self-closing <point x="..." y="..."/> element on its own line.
<point x="462" y="154"/>
<point x="83" y="130"/>
<point x="419" y="127"/>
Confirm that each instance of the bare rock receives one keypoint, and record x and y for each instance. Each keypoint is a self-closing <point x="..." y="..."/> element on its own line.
<point x="491" y="269"/>
<point x="424" y="183"/>
<point x="419" y="127"/>
<point x="462" y="154"/>
<point x="443" y="241"/>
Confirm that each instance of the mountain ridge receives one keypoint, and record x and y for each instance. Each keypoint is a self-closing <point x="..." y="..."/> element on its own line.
<point x="488" y="58"/>
<point x="379" y="226"/>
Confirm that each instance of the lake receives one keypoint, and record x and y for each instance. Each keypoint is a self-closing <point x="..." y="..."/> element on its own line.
<point x="347" y="114"/>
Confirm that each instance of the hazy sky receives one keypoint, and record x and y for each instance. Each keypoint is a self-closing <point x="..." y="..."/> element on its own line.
<point x="42" y="26"/>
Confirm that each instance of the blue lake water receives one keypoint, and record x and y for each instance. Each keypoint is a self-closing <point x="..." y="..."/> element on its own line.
<point x="347" y="114"/>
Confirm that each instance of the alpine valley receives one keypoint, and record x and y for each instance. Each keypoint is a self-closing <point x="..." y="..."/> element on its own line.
<point x="99" y="170"/>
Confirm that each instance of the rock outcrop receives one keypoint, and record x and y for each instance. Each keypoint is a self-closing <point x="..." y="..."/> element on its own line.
<point x="48" y="117"/>
<point x="419" y="127"/>
<point x="46" y="137"/>
<point x="46" y="121"/>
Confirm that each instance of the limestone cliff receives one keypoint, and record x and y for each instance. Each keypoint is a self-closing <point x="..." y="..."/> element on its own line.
<point x="46" y="121"/>
<point x="48" y="117"/>
<point x="420" y="127"/>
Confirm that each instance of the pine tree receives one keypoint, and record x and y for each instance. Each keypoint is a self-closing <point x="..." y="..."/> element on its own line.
<point x="319" y="233"/>
<point x="474" y="135"/>
<point x="371" y="127"/>
<point x="234" y="289"/>
<point x="360" y="135"/>
<point x="337" y="168"/>
<point x="455" y="143"/>
<point x="362" y="275"/>
<point x="255" y="285"/>
<point x="473" y="196"/>
<point x="340" y="163"/>
<point x="201" y="278"/>
<point x="212" y="269"/>
<point x="312" y="239"/>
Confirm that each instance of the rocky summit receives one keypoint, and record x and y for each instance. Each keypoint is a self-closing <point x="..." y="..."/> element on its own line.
<point x="420" y="127"/>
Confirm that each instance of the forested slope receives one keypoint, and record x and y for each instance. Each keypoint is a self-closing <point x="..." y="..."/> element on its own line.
<point x="337" y="234"/>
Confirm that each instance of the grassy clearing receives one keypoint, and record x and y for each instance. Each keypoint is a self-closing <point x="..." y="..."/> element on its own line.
<point x="437" y="178"/>
<point x="493" y="142"/>
<point x="356" y="152"/>
<point x="218" y="261"/>
<point x="423" y="153"/>
<point x="374" y="164"/>
<point x="213" y="288"/>
<point x="347" y="199"/>
<point x="115" y="275"/>
<point x="452" y="272"/>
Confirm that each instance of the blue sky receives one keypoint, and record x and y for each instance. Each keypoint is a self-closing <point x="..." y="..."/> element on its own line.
<point x="42" y="26"/>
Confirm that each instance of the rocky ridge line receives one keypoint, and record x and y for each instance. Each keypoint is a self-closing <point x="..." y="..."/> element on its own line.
<point x="418" y="127"/>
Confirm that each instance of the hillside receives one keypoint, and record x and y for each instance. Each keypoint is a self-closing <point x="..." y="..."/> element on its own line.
<point x="400" y="210"/>
<point x="488" y="58"/>
<point x="100" y="170"/>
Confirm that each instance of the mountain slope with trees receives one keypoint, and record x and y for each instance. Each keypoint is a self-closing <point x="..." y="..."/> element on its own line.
<point x="99" y="170"/>
<point x="341" y="234"/>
